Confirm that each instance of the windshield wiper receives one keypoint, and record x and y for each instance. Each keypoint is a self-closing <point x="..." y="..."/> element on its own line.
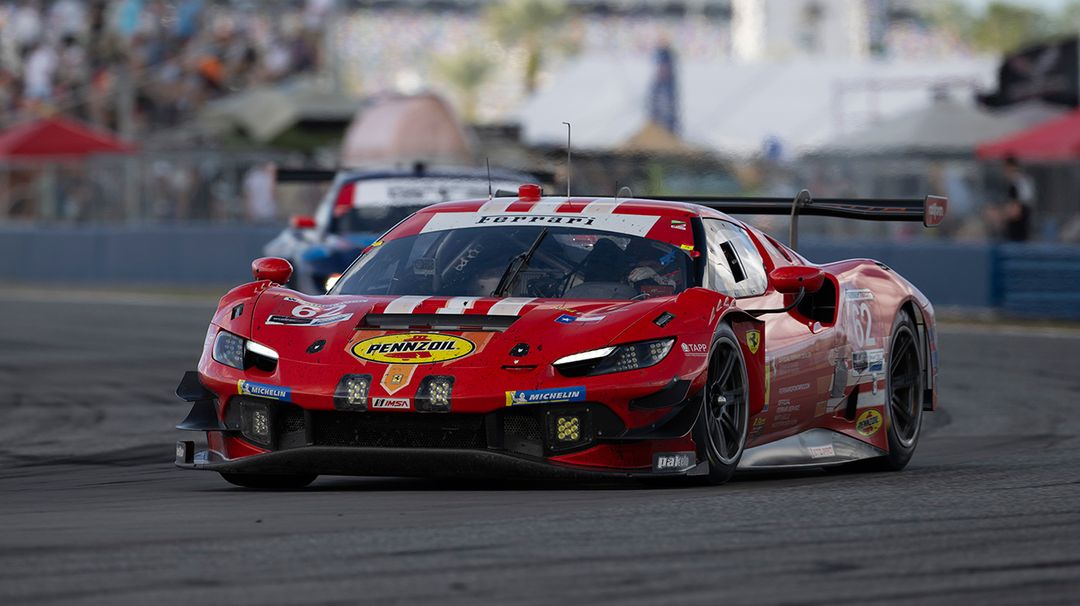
<point x="516" y="265"/>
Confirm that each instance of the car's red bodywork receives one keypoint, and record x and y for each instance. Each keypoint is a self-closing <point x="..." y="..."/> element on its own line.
<point x="800" y="368"/>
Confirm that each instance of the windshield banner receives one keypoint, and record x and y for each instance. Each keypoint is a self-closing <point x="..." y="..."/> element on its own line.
<point x="633" y="225"/>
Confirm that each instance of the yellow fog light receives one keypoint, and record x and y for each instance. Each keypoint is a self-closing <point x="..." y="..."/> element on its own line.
<point x="568" y="429"/>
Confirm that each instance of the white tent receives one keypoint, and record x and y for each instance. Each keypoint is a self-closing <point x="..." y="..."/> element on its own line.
<point x="945" y="127"/>
<point x="734" y="108"/>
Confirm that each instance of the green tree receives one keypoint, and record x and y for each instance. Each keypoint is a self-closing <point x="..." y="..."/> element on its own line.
<point x="529" y="25"/>
<point x="466" y="72"/>
<point x="1004" y="27"/>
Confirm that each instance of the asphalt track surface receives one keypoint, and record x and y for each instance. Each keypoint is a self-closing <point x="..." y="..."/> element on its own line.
<point x="93" y="512"/>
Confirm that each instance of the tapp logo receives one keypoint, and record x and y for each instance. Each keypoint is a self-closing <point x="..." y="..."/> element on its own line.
<point x="695" y="348"/>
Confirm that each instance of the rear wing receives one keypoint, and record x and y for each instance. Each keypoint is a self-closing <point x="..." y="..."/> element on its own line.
<point x="929" y="210"/>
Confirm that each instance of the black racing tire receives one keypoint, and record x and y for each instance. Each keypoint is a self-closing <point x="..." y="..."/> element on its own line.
<point x="903" y="395"/>
<point x="723" y="421"/>
<point x="269" y="482"/>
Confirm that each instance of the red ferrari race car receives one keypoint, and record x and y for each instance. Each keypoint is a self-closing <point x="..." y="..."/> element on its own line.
<point x="570" y="337"/>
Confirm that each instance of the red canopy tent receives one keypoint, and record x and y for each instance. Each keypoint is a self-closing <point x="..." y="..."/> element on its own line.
<point x="58" y="138"/>
<point x="1051" y="141"/>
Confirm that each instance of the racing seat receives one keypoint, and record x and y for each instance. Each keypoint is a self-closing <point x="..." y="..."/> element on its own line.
<point x="599" y="270"/>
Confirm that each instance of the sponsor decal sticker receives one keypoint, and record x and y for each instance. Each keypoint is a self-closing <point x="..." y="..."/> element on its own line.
<point x="263" y="390"/>
<point x="396" y="377"/>
<point x="794" y="388"/>
<point x="695" y="349"/>
<point x="821" y="452"/>
<point x="753" y="340"/>
<point x="686" y="246"/>
<point x="868" y="423"/>
<point x="570" y="319"/>
<point x="390" y="403"/>
<point x="318" y="321"/>
<point x="859" y="294"/>
<point x="673" y="461"/>
<point x="676" y="224"/>
<point x="308" y="313"/>
<point x="785" y="406"/>
<point x="413" y="348"/>
<point x="545" y="396"/>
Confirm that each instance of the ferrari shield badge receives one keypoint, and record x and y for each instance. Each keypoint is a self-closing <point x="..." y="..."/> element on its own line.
<point x="753" y="340"/>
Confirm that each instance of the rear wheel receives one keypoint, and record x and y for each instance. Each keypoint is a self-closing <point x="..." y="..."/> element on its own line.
<point x="725" y="411"/>
<point x="269" y="482"/>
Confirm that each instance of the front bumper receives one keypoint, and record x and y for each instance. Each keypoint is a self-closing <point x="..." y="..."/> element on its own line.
<point x="520" y="440"/>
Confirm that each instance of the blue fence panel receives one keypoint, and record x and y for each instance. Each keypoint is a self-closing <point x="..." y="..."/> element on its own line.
<point x="948" y="273"/>
<point x="1038" y="280"/>
<point x="158" y="254"/>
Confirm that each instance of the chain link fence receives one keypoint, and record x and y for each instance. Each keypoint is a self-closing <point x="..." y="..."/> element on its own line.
<point x="153" y="187"/>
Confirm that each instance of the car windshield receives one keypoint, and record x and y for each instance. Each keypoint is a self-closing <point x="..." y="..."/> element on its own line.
<point x="565" y="263"/>
<point x="374" y="219"/>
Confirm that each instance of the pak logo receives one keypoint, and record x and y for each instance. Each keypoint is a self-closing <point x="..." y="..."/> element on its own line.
<point x="753" y="340"/>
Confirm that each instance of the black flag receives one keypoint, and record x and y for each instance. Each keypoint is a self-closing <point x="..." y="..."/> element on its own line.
<point x="1047" y="72"/>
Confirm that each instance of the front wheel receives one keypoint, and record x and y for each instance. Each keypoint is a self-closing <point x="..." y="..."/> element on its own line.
<point x="269" y="482"/>
<point x="904" y="396"/>
<point x="726" y="407"/>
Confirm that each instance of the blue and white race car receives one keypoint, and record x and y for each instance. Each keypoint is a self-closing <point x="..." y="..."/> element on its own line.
<point x="362" y="204"/>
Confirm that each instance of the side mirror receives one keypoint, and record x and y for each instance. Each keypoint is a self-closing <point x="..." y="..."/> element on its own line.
<point x="791" y="279"/>
<point x="302" y="222"/>
<point x="275" y="269"/>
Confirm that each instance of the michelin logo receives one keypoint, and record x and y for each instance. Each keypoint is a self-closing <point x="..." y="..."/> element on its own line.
<point x="545" y="396"/>
<point x="262" y="390"/>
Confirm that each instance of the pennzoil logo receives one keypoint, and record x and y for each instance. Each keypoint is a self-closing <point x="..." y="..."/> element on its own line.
<point x="753" y="340"/>
<point x="413" y="348"/>
<point x="869" y="423"/>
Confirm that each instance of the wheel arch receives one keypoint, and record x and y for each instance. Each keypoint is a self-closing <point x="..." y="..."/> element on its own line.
<point x="911" y="307"/>
<point x="744" y="325"/>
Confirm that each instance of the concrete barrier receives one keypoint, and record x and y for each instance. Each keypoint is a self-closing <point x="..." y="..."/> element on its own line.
<point x="1035" y="280"/>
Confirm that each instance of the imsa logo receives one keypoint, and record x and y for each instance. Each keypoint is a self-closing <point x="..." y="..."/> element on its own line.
<point x="413" y="348"/>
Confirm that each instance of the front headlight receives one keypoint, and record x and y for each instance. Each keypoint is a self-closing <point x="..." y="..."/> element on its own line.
<point x="229" y="349"/>
<point x="620" y="358"/>
<point x="238" y="352"/>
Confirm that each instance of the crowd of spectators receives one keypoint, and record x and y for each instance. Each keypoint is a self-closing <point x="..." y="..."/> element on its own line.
<point x="131" y="65"/>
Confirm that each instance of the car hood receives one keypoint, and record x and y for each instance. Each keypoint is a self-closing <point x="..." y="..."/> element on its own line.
<point x="363" y="330"/>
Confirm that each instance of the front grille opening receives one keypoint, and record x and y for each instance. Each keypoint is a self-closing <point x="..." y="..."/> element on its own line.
<point x="526" y="427"/>
<point x="398" y="430"/>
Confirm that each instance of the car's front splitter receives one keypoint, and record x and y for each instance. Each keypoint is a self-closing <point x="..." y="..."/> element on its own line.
<point x="404" y="462"/>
